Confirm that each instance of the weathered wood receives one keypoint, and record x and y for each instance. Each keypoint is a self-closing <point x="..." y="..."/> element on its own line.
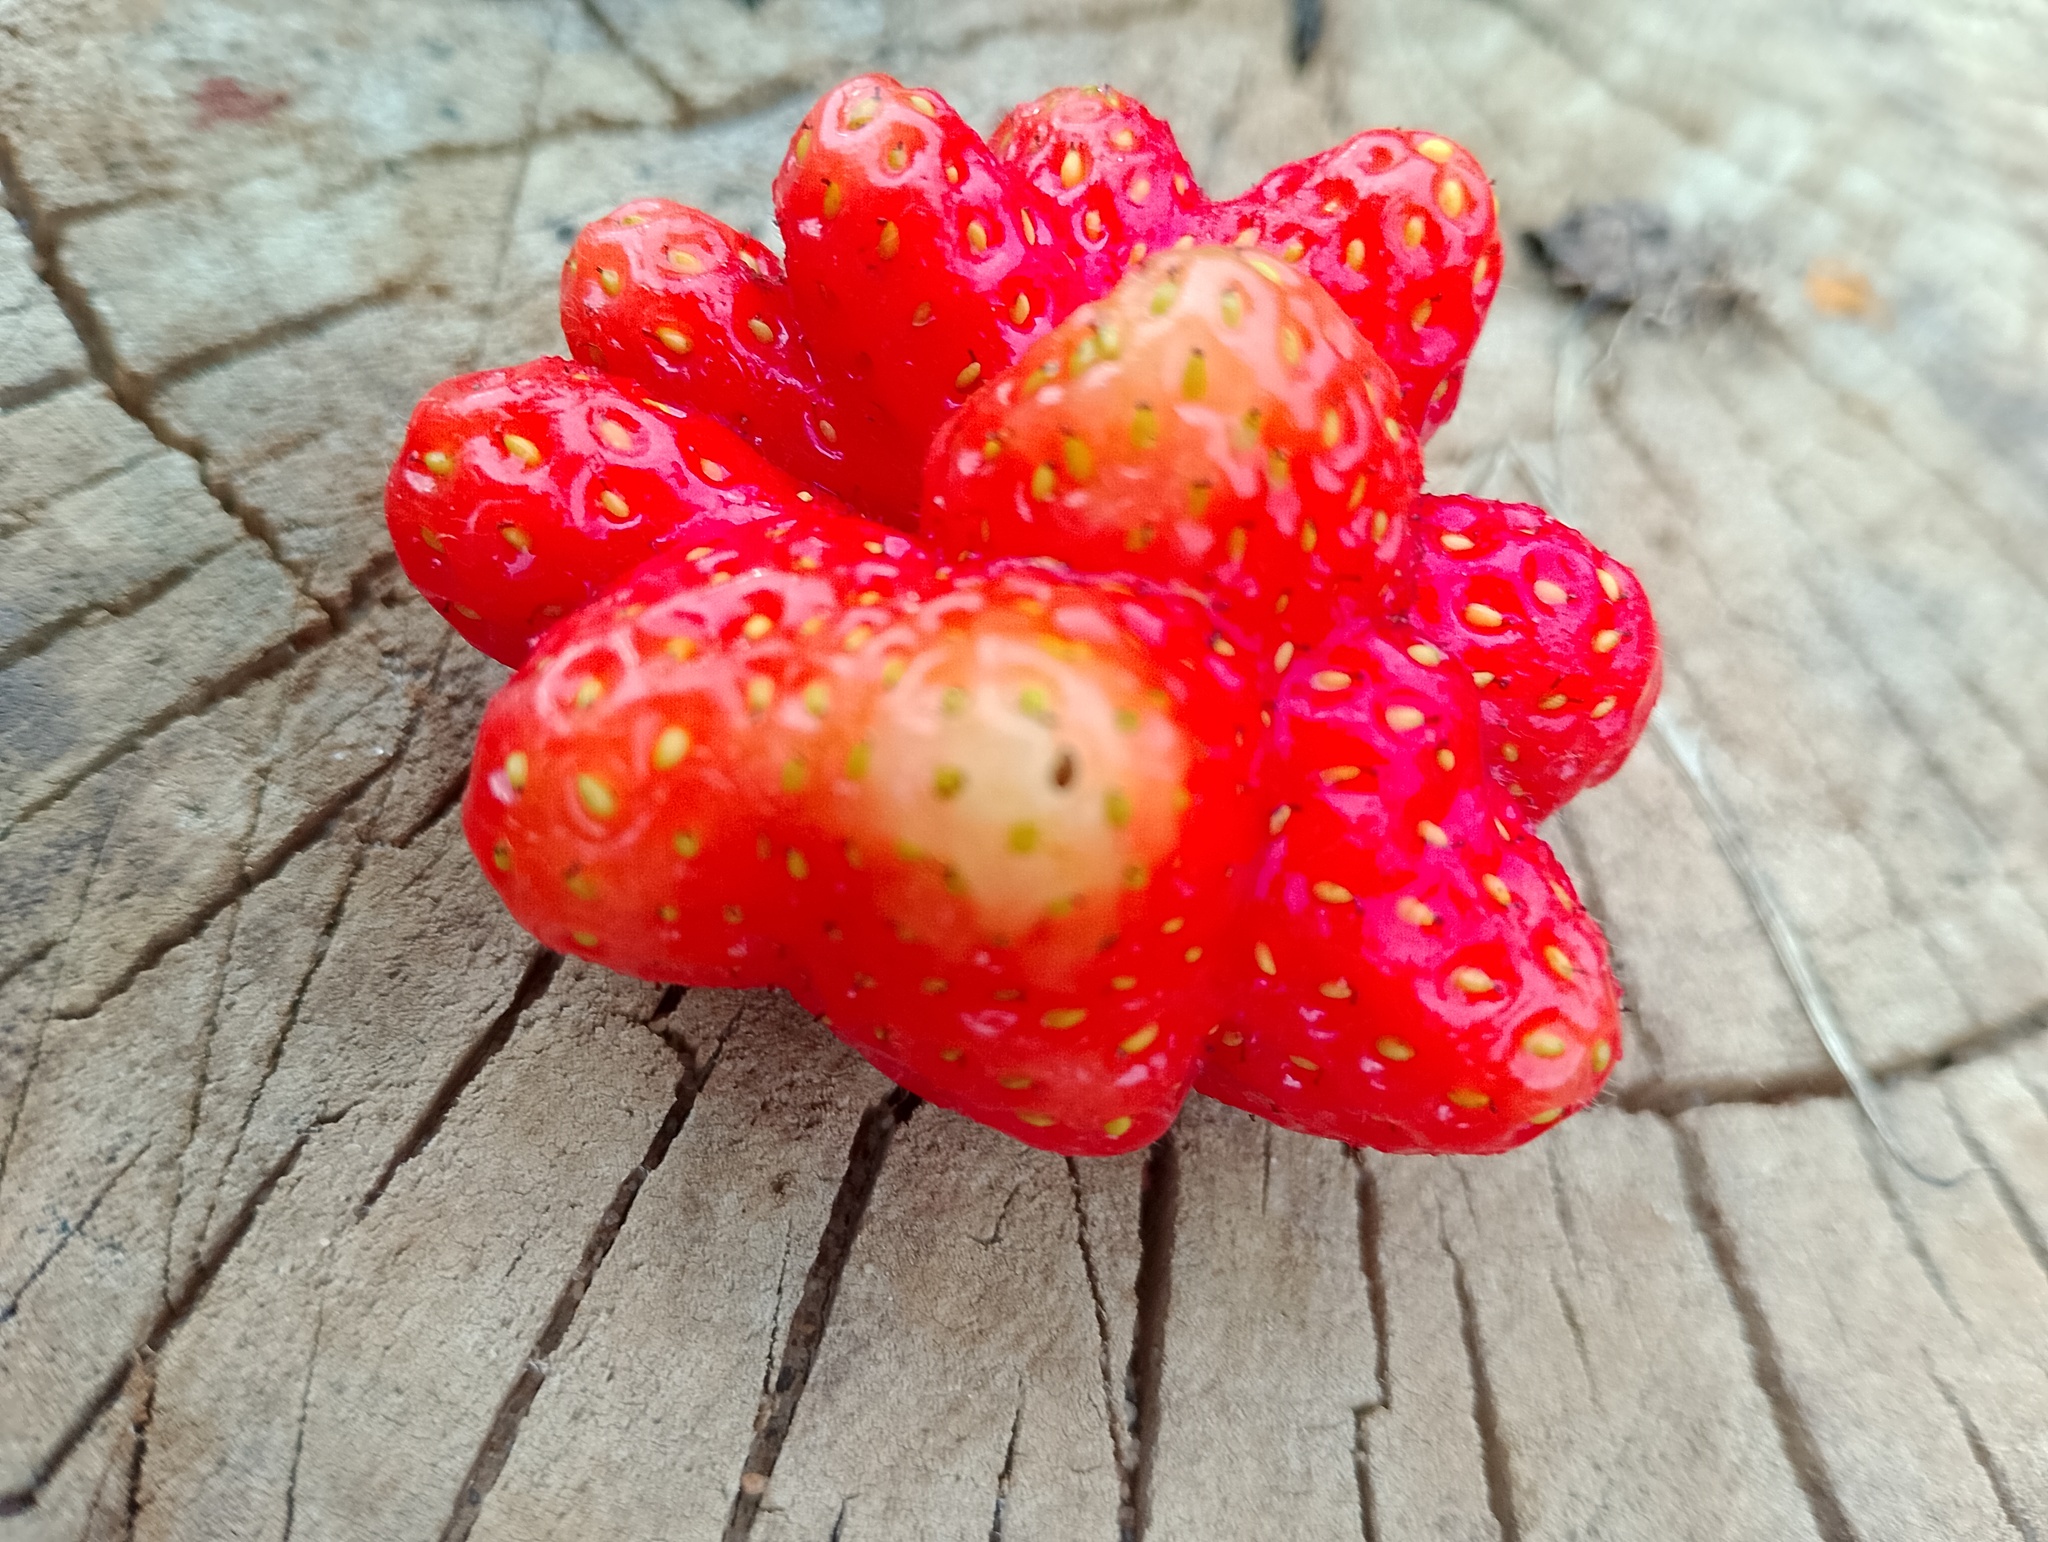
<point x="330" y="1207"/>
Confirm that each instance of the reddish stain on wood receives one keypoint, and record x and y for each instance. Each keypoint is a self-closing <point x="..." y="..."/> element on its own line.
<point x="224" y="99"/>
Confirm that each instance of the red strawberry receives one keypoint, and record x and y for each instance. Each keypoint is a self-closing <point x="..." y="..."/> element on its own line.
<point x="1418" y="973"/>
<point x="918" y="265"/>
<point x="1400" y="225"/>
<point x="1216" y="421"/>
<point x="520" y="493"/>
<point x="1112" y="168"/>
<point x="1556" y="633"/>
<point x="685" y="304"/>
<point x="979" y="820"/>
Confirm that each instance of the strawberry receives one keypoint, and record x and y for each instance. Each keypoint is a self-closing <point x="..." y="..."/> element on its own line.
<point x="1416" y="972"/>
<point x="1557" y="635"/>
<point x="1401" y="227"/>
<point x="1113" y="170"/>
<point x="917" y="265"/>
<point x="520" y="493"/>
<point x="696" y="311"/>
<point x="977" y="819"/>
<point x="1216" y="420"/>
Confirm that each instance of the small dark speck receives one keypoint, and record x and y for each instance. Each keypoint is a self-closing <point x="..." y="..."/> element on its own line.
<point x="1308" y="31"/>
<point x="1063" y="769"/>
<point x="450" y="113"/>
<point x="439" y="48"/>
<point x="565" y="233"/>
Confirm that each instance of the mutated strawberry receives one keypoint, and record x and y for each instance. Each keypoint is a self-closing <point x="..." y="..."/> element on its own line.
<point x="520" y="493"/>
<point x="1556" y="634"/>
<point x="1417" y="974"/>
<point x="682" y="302"/>
<point x="1400" y="225"/>
<point x="979" y="820"/>
<point x="1215" y="421"/>
<point x="917" y="265"/>
<point x="1114" y="171"/>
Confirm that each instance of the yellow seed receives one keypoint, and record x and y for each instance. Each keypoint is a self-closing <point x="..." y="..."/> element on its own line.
<point x="796" y="773"/>
<point x="1335" y="990"/>
<point x="440" y="462"/>
<point x="1438" y="150"/>
<point x="835" y="196"/>
<point x="1192" y="954"/>
<point x="1163" y="298"/>
<point x="1293" y="251"/>
<point x="519" y="447"/>
<point x="857" y="760"/>
<point x="1393" y="427"/>
<point x="617" y="435"/>
<point x="966" y="379"/>
<point x="1547" y="1116"/>
<point x="1245" y="237"/>
<point x="951" y="1053"/>
<point x="1606" y="641"/>
<point x="952" y="173"/>
<point x="756" y="627"/>
<point x="1021" y="311"/>
<point x="515" y="770"/>
<point x="1080" y="459"/>
<point x="1278" y="821"/>
<point x="1552" y="702"/>
<point x="1292" y="346"/>
<point x="1482" y="615"/>
<point x="1141" y="189"/>
<point x="1432" y="833"/>
<point x="584" y="939"/>
<point x="685" y="261"/>
<point x="1379" y="524"/>
<point x="670" y="746"/>
<point x="1482" y="678"/>
<point x="608" y="280"/>
<point x="1330" y="893"/>
<point x="933" y="986"/>
<point x="1413" y="911"/>
<point x="922" y="315"/>
<point x="1446" y="760"/>
<point x="1194" y="379"/>
<point x="1393" y="1049"/>
<point x="713" y="472"/>
<point x="1239" y="538"/>
<point x="515" y="538"/>
<point x="1173" y="924"/>
<point x="501" y="855"/>
<point x="1118" y="1127"/>
<point x="1494" y="886"/>
<point x="1071" y="169"/>
<point x="1550" y="593"/>
<point x="1277" y="475"/>
<point x="1140" y="1041"/>
<point x="1401" y="719"/>
<point x="1473" y="982"/>
<point x="1609" y="584"/>
<point x="923" y="104"/>
<point x="947" y="782"/>
<point x="898" y="157"/>
<point x="1023" y="837"/>
<point x="1263" y="957"/>
<point x="760" y="693"/>
<point x="858" y="638"/>
<point x="1479" y="270"/>
<point x="1354" y="255"/>
<point x="977" y="236"/>
<point x="887" y="243"/>
<point x="1144" y="428"/>
<point x="1330" y="680"/>
<point x="598" y="800"/>
<point x="1044" y="482"/>
<point x="1411" y="233"/>
<point x="798" y="867"/>
<point x="1602" y="1057"/>
<point x="1065" y="1017"/>
<point x="673" y="340"/>
<point x="614" y="505"/>
<point x="1116" y="807"/>
<point x="1425" y="655"/>
<point x="1332" y="775"/>
<point x="1543" y="1044"/>
<point x="1450" y="540"/>
<point x="1451" y="197"/>
<point x="687" y="843"/>
<point x="1038" y="1121"/>
<point x="1231" y="307"/>
<point x="1419" y="317"/>
<point x="863" y="112"/>
<point x="1357" y="494"/>
<point x="817" y="695"/>
<point x="1283" y="655"/>
<point x="1468" y="1097"/>
<point x="1602" y="707"/>
<point x="588" y="690"/>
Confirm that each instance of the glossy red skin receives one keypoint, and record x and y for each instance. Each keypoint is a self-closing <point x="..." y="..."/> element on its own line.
<point x="1385" y="1058"/>
<point x="1103" y="460"/>
<point x="858" y="289"/>
<point x="1091" y="150"/>
<point x="1542" y="749"/>
<point x="810" y="913"/>
<point x="505" y="549"/>
<point x="1367" y="190"/>
<point x="700" y="313"/>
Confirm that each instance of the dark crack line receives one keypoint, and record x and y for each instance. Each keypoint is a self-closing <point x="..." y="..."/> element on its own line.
<point x="38" y="640"/>
<point x="1158" y="1218"/>
<point x="489" y="1463"/>
<point x="996" y="1532"/>
<point x="540" y="973"/>
<point x="813" y="1314"/>
<point x="1372" y="1262"/>
<point x="1909" y="1227"/>
<point x="1305" y="31"/>
<point x="1500" y="1493"/>
<point x="679" y="105"/>
<point x="68" y="1232"/>
<point x="291" y="1482"/>
<point x="170" y="1317"/>
<point x="42" y="389"/>
<point x="1119" y="1437"/>
<point x="1767" y="1369"/>
<point x="1980" y="1453"/>
<point x="2016" y="1212"/>
<point x="139" y="1453"/>
<point x="1570" y="1314"/>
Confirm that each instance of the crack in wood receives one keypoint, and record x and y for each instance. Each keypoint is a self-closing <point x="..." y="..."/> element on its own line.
<point x="1372" y="1263"/>
<point x="1500" y="1492"/>
<point x="132" y="1508"/>
<point x="1306" y="22"/>
<point x="2015" y="1209"/>
<point x="1766" y="1367"/>
<point x="813" y="1314"/>
<point x="1119" y="1437"/>
<point x="540" y="974"/>
<point x="1158" y="1217"/>
<point x="68" y="1232"/>
<point x="996" y="1532"/>
<point x="291" y="1484"/>
<point x="170" y="1317"/>
<point x="1980" y="1453"/>
<point x="496" y="1450"/>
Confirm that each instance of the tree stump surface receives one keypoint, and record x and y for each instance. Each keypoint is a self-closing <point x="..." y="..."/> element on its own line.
<point x="330" y="1207"/>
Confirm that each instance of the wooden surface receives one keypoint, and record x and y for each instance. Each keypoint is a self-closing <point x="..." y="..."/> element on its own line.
<point x="331" y="1208"/>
